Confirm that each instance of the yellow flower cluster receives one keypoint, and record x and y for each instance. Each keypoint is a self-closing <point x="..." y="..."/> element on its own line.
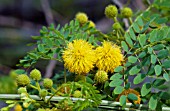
<point x="108" y="57"/>
<point x="80" y="57"/>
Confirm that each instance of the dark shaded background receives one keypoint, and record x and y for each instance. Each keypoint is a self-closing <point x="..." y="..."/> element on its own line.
<point x="21" y="19"/>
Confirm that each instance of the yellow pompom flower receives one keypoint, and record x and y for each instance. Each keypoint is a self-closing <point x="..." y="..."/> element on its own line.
<point x="82" y="17"/>
<point x="18" y="107"/>
<point x="128" y="91"/>
<point x="108" y="57"/>
<point x="79" y="57"/>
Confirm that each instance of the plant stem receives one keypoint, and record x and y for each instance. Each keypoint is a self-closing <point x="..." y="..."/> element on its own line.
<point x="104" y="35"/>
<point x="115" y="19"/>
<point x="33" y="86"/>
<point x="159" y="62"/>
<point x="38" y="86"/>
<point x="54" y="90"/>
<point x="65" y="80"/>
<point x="149" y="45"/>
<point x="130" y="20"/>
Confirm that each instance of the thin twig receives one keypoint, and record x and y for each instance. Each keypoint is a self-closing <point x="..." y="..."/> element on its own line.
<point x="49" y="18"/>
<point x="104" y="103"/>
<point x="47" y="11"/>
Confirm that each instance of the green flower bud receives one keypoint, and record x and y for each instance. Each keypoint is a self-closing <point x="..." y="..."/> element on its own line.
<point x="81" y="17"/>
<point x="101" y="77"/>
<point x="77" y="94"/>
<point x="22" y="80"/>
<point x="116" y="26"/>
<point x="91" y="24"/>
<point x="25" y="105"/>
<point x="126" y="12"/>
<point x="111" y="11"/>
<point x="22" y="90"/>
<point x="43" y="92"/>
<point x="35" y="74"/>
<point x="48" y="83"/>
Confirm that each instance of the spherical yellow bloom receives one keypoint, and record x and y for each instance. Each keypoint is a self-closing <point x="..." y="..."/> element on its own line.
<point x="18" y="107"/>
<point x="81" y="17"/>
<point x="79" y="57"/>
<point x="108" y="57"/>
<point x="128" y="91"/>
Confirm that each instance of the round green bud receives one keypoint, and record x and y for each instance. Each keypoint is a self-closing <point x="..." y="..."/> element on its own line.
<point x="77" y="94"/>
<point x="22" y="80"/>
<point x="48" y="83"/>
<point x="91" y="24"/>
<point x="41" y="109"/>
<point x="25" y="105"/>
<point x="43" y="92"/>
<point x="101" y="77"/>
<point x="126" y="12"/>
<point x="22" y="90"/>
<point x="116" y="26"/>
<point x="81" y="17"/>
<point x="111" y="11"/>
<point x="35" y="74"/>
